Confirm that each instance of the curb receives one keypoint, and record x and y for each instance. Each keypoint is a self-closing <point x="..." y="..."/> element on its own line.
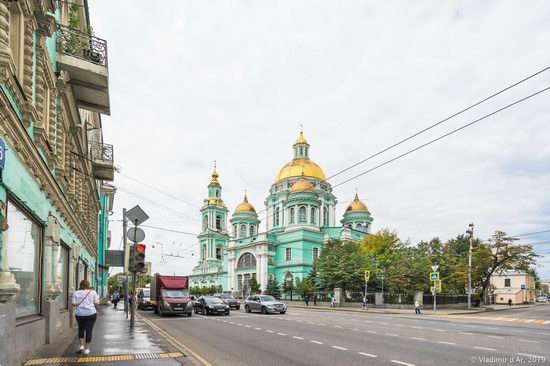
<point x="493" y="310"/>
<point x="195" y="357"/>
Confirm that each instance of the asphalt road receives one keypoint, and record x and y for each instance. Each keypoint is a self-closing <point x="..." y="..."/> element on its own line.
<point x="313" y="337"/>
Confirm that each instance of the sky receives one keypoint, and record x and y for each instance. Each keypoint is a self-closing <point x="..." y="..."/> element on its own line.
<point x="196" y="81"/>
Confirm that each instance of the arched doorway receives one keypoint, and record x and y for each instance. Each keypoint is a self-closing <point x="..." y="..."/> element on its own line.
<point x="246" y="270"/>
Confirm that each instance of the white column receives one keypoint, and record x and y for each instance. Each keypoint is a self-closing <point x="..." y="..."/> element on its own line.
<point x="264" y="271"/>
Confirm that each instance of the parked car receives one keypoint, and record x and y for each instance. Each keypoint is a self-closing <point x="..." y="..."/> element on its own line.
<point x="211" y="305"/>
<point x="144" y="299"/>
<point x="229" y="300"/>
<point x="265" y="304"/>
<point x="541" y="299"/>
<point x="169" y="295"/>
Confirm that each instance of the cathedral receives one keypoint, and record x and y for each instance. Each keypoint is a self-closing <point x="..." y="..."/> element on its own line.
<point x="299" y="217"/>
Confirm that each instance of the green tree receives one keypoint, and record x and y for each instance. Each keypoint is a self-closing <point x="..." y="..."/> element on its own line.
<point x="304" y="287"/>
<point x="254" y="286"/>
<point x="273" y="288"/>
<point x="342" y="264"/>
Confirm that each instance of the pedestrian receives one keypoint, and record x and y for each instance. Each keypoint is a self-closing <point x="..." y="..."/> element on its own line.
<point x="365" y="300"/>
<point x="417" y="307"/>
<point x="115" y="299"/>
<point x="510" y="302"/>
<point x="314" y="299"/>
<point x="333" y="302"/>
<point x="84" y="301"/>
<point x="306" y="299"/>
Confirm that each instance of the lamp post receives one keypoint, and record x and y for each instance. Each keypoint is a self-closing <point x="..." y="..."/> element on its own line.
<point x="470" y="232"/>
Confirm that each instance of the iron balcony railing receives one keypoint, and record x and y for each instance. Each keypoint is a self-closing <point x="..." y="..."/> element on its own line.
<point x="102" y="153"/>
<point x="81" y="45"/>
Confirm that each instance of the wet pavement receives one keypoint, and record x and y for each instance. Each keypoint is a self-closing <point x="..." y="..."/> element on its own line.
<point x="112" y="336"/>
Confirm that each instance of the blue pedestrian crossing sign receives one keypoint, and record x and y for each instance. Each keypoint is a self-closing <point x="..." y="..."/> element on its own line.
<point x="434" y="276"/>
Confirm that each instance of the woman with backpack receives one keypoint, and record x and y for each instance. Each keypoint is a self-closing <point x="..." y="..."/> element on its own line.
<point x="84" y="302"/>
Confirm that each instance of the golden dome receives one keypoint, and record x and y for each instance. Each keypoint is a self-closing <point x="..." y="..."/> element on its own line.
<point x="245" y="207"/>
<point x="214" y="202"/>
<point x="302" y="185"/>
<point x="296" y="167"/>
<point x="301" y="139"/>
<point x="356" y="205"/>
<point x="215" y="176"/>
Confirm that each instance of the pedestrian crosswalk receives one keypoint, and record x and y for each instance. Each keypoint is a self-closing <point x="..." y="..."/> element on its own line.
<point x="504" y="319"/>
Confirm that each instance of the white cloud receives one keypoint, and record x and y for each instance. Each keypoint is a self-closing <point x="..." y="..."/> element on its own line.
<point x="196" y="81"/>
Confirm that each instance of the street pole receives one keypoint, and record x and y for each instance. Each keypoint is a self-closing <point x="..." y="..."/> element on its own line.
<point x="124" y="247"/>
<point x="471" y="232"/>
<point x="435" y="298"/>
<point x="383" y="303"/>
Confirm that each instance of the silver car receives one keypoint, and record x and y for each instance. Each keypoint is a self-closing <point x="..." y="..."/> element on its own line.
<point x="264" y="304"/>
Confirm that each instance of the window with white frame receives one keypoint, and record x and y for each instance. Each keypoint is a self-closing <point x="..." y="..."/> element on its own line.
<point x="252" y="230"/>
<point x="205" y="222"/>
<point x="218" y="222"/>
<point x="243" y="231"/>
<point x="313" y="215"/>
<point x="219" y="253"/>
<point x="63" y="276"/>
<point x="288" y="254"/>
<point x="325" y="216"/>
<point x="303" y="214"/>
<point x="277" y="218"/>
<point x="23" y="240"/>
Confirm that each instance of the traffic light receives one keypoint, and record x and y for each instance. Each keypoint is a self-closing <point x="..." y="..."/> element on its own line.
<point x="131" y="258"/>
<point x="139" y="258"/>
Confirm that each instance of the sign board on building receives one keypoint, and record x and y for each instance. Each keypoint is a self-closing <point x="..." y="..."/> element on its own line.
<point x="434" y="276"/>
<point x="2" y="154"/>
<point x="114" y="258"/>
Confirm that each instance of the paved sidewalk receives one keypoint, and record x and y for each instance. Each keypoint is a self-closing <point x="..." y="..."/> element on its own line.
<point x="113" y="343"/>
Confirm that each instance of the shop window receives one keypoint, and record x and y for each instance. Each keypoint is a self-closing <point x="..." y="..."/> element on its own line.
<point x="23" y="240"/>
<point x="63" y="276"/>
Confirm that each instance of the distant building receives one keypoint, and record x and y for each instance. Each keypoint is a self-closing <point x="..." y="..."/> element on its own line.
<point x="300" y="217"/>
<point x="515" y="285"/>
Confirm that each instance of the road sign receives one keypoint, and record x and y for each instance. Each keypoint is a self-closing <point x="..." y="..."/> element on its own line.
<point x="136" y="216"/>
<point x="434" y="276"/>
<point x="121" y="279"/>
<point x="367" y="275"/>
<point x="434" y="268"/>
<point x="135" y="234"/>
<point x="437" y="285"/>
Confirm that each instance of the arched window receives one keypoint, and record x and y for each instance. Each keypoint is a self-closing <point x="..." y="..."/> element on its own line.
<point x="203" y="252"/>
<point x="359" y="227"/>
<point x="243" y="231"/>
<point x="277" y="219"/>
<point x="325" y="216"/>
<point x="313" y="218"/>
<point x="252" y="230"/>
<point x="205" y="222"/>
<point x="218" y="222"/>
<point x="247" y="260"/>
<point x="219" y="253"/>
<point x="303" y="214"/>
<point x="292" y="215"/>
<point x="217" y="193"/>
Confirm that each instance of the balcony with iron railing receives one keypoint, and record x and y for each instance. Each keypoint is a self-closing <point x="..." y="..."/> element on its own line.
<point x="102" y="161"/>
<point x="84" y="57"/>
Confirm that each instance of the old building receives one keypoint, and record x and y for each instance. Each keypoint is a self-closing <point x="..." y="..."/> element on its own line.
<point x="54" y="201"/>
<point x="300" y="217"/>
<point x="515" y="285"/>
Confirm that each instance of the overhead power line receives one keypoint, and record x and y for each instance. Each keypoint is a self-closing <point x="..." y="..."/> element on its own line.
<point x="533" y="233"/>
<point x="169" y="230"/>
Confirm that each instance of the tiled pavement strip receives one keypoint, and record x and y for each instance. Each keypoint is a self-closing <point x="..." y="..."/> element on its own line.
<point x="502" y="318"/>
<point x="110" y="358"/>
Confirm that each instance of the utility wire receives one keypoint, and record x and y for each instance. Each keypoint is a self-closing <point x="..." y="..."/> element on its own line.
<point x="169" y="230"/>
<point x="527" y="234"/>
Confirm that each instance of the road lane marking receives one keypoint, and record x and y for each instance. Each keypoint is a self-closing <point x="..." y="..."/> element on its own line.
<point x="486" y="349"/>
<point x="367" y="354"/>
<point x="497" y="337"/>
<point x="383" y="323"/>
<point x="231" y="322"/>
<point x="310" y="322"/>
<point x="367" y="321"/>
<point x="355" y="329"/>
<point x="371" y="331"/>
<point x="418" y="328"/>
<point x="466" y="333"/>
<point x="439" y="330"/>
<point x="300" y="321"/>
<point x="258" y="328"/>
<point x="282" y="334"/>
<point x="321" y="324"/>
<point x="402" y="363"/>
<point x="528" y="341"/>
<point x="418" y="338"/>
<point x="340" y="348"/>
<point x="392" y="334"/>
<point x="529" y="320"/>
<point x="443" y="342"/>
<point x="240" y="325"/>
<point x="316" y="342"/>
<point x="269" y="331"/>
<point x="546" y="322"/>
<point x="337" y="326"/>
<point x="399" y="325"/>
<point x="297" y="337"/>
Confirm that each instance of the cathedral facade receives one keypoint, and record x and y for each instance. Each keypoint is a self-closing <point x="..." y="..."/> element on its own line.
<point x="299" y="218"/>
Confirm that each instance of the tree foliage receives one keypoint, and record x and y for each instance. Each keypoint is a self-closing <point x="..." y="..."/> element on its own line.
<point x="254" y="286"/>
<point x="342" y="264"/>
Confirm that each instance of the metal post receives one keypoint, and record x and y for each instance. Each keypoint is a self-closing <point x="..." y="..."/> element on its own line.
<point x="435" y="298"/>
<point x="383" y="303"/>
<point x="471" y="232"/>
<point x="124" y="247"/>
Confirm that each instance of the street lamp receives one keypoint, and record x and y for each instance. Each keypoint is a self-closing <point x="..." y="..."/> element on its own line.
<point x="470" y="232"/>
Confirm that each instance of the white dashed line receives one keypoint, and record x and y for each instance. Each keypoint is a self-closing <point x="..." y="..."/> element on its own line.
<point x="239" y="324"/>
<point x="269" y="331"/>
<point x="355" y="329"/>
<point x="316" y="342"/>
<point x="282" y="334"/>
<point x="297" y="337"/>
<point x="402" y="363"/>
<point x="310" y="322"/>
<point x="497" y="337"/>
<point x="528" y="341"/>
<point x="466" y="333"/>
<point x="471" y="326"/>
<point x="367" y="321"/>
<point x="371" y="331"/>
<point x="337" y="326"/>
<point x="392" y="334"/>
<point x="367" y="354"/>
<point x="231" y="322"/>
<point x="418" y="338"/>
<point x="247" y="326"/>
<point x="439" y="330"/>
<point x="485" y="349"/>
<point x="418" y="328"/>
<point x="299" y="321"/>
<point x="383" y="323"/>
<point x="529" y="320"/>
<point x="225" y="321"/>
<point x="321" y="324"/>
<point x="546" y="322"/>
<point x="443" y="342"/>
<point x="399" y="325"/>
<point x="258" y="328"/>
<point x="340" y="348"/>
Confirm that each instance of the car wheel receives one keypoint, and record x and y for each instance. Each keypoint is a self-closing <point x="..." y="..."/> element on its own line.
<point x="264" y="310"/>
<point x="204" y="312"/>
<point x="196" y="310"/>
<point x="238" y="307"/>
<point x="227" y="313"/>
<point x="282" y="312"/>
<point x="189" y="314"/>
<point x="247" y="309"/>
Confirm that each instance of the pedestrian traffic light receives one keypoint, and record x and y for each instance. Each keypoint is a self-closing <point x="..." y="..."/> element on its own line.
<point x="139" y="258"/>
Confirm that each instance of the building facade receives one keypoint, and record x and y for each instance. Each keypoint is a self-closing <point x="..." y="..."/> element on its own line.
<point x="299" y="218"/>
<point x="54" y="164"/>
<point x="513" y="285"/>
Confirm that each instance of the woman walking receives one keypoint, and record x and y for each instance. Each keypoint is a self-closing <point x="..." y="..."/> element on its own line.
<point x="84" y="302"/>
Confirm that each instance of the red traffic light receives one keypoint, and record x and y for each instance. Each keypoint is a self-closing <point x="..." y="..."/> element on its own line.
<point x="140" y="248"/>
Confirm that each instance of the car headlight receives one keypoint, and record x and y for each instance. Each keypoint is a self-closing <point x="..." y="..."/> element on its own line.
<point x="166" y="304"/>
